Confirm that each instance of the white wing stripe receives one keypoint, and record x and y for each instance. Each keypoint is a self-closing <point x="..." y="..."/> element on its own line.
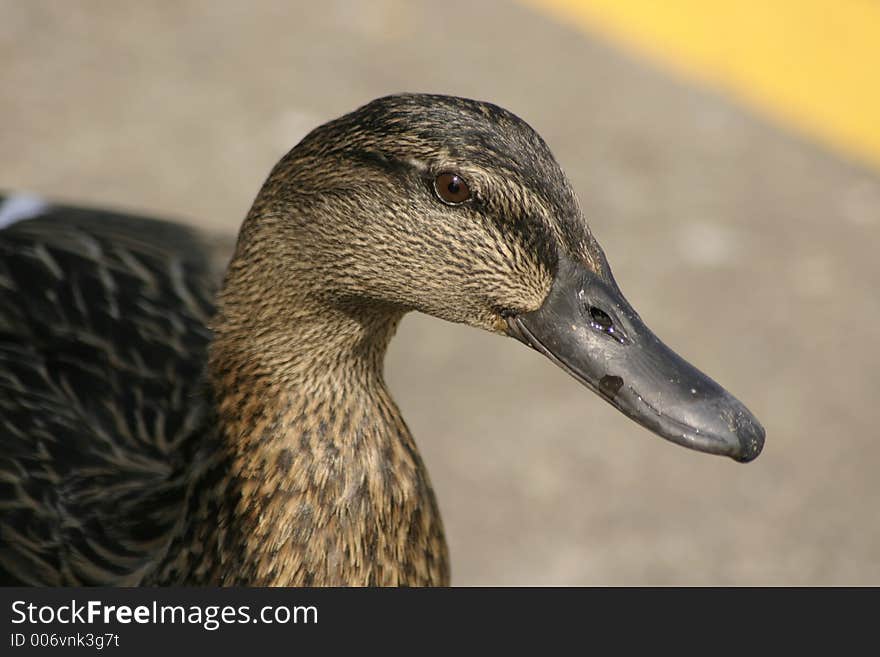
<point x="19" y="207"/>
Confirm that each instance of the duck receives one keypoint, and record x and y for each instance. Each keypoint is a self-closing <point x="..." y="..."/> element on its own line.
<point x="168" y="419"/>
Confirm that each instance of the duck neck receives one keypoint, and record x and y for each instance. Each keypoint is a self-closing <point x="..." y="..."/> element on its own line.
<point x="315" y="478"/>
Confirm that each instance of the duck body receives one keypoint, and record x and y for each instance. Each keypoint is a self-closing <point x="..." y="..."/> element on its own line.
<point x="103" y="341"/>
<point x="161" y="426"/>
<point x="116" y="470"/>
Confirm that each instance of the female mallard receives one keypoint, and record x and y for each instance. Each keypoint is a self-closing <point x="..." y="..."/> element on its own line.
<point x="140" y="446"/>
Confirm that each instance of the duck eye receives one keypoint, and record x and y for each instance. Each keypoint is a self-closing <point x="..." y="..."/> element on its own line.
<point x="451" y="189"/>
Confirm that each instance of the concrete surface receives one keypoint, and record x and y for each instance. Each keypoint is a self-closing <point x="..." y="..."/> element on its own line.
<point x="753" y="253"/>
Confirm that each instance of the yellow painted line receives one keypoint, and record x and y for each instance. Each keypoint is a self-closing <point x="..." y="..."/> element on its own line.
<point x="811" y="64"/>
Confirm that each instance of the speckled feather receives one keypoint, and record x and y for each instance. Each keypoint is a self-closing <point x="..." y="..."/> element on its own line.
<point x="285" y="461"/>
<point x="102" y="348"/>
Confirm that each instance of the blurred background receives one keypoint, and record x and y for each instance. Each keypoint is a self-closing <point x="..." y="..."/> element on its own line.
<point x="726" y="153"/>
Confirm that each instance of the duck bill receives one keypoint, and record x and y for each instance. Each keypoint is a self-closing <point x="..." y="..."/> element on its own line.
<point x="588" y="328"/>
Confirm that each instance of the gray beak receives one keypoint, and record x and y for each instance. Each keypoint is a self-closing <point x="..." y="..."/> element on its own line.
<point x="589" y="329"/>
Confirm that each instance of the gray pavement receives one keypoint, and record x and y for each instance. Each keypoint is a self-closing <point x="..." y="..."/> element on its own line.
<point x="749" y="250"/>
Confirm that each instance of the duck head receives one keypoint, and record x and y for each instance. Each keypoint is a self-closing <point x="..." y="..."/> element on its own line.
<point x="458" y="209"/>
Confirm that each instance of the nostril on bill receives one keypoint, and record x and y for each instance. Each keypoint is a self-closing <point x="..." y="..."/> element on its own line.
<point x="601" y="321"/>
<point x="600" y="318"/>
